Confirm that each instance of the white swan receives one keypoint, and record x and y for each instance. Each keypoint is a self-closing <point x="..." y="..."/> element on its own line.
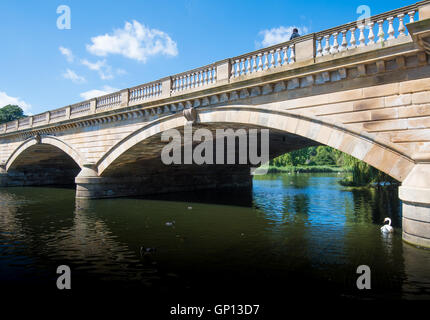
<point x="387" y="228"/>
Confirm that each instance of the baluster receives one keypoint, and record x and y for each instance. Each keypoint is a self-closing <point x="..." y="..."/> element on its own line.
<point x="237" y="67"/>
<point x="266" y="60"/>
<point x="185" y="82"/>
<point x="285" y="50"/>
<point x="254" y="63"/>
<point x="260" y="62"/>
<point x="198" y="79"/>
<point x="214" y="78"/>
<point x="293" y="53"/>
<point x="243" y="66"/>
<point x="390" y="29"/>
<point x="371" y="34"/>
<point x="272" y="59"/>
<point x="411" y="15"/>
<point x="279" y="60"/>
<point x="319" y="47"/>
<point x="344" y="44"/>
<point x="335" y="48"/>
<point x="210" y="75"/>
<point x="381" y="34"/>
<point x="327" y="45"/>
<point x="248" y="61"/>
<point x="232" y="69"/>
<point x="352" y="41"/>
<point x="361" y="39"/>
<point x="401" y="25"/>
<point x="194" y="76"/>
<point x="203" y="77"/>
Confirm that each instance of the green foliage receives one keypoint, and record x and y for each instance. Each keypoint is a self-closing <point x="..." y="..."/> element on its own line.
<point x="10" y="113"/>
<point x="363" y="174"/>
<point x="324" y="156"/>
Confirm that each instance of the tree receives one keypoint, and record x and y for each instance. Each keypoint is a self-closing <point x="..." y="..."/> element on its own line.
<point x="10" y="113"/>
<point x="323" y="156"/>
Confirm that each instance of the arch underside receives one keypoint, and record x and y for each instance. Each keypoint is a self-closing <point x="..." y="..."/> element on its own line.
<point x="144" y="157"/>
<point x="141" y="150"/>
<point x="42" y="164"/>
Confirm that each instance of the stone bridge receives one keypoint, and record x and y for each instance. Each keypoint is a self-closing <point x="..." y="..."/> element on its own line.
<point x="362" y="88"/>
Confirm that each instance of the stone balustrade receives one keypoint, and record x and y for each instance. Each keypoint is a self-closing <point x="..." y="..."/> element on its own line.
<point x="145" y="92"/>
<point x="80" y="108"/>
<point x="108" y="101"/>
<point x="261" y="60"/>
<point x="194" y="79"/>
<point x="375" y="30"/>
<point x="57" y="114"/>
<point x="380" y="30"/>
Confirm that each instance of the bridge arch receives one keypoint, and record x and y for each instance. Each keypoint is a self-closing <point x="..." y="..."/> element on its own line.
<point x="377" y="152"/>
<point x="77" y="157"/>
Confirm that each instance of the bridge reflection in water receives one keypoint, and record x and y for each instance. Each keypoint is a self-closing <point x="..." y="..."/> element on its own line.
<point x="300" y="233"/>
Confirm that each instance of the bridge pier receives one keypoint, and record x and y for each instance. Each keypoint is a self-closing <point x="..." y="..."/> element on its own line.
<point x="176" y="179"/>
<point x="3" y="177"/>
<point x="415" y="195"/>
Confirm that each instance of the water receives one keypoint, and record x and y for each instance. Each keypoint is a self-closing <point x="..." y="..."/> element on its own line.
<point x="295" y="236"/>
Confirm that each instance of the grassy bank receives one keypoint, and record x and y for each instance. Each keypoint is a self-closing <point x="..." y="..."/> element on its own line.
<point x="306" y="169"/>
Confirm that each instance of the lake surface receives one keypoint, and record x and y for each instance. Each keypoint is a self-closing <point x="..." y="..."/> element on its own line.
<point x="295" y="236"/>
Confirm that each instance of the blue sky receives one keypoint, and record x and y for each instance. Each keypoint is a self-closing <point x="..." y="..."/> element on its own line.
<point x="119" y="44"/>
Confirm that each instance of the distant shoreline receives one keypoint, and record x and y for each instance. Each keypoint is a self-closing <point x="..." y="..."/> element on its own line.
<point x="307" y="169"/>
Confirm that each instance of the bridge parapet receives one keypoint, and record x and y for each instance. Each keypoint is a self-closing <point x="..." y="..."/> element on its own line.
<point x="384" y="30"/>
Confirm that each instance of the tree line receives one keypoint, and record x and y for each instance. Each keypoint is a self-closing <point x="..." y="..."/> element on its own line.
<point x="362" y="174"/>
<point x="10" y="112"/>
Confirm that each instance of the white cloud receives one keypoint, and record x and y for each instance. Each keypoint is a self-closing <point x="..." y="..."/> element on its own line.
<point x="71" y="75"/>
<point x="278" y="35"/>
<point x="97" y="93"/>
<point x="134" y="41"/>
<point x="121" y="71"/>
<point x="5" y="100"/>
<point x="104" y="70"/>
<point x="67" y="53"/>
<point x="93" y="66"/>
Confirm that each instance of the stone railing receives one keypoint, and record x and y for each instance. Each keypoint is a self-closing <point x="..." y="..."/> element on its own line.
<point x="58" y="114"/>
<point x="200" y="77"/>
<point x="384" y="28"/>
<point x="82" y="107"/>
<point x="108" y="101"/>
<point x="264" y="59"/>
<point x="366" y="32"/>
<point x="145" y="92"/>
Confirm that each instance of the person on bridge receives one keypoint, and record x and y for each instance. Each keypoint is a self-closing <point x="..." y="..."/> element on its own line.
<point x="295" y="34"/>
